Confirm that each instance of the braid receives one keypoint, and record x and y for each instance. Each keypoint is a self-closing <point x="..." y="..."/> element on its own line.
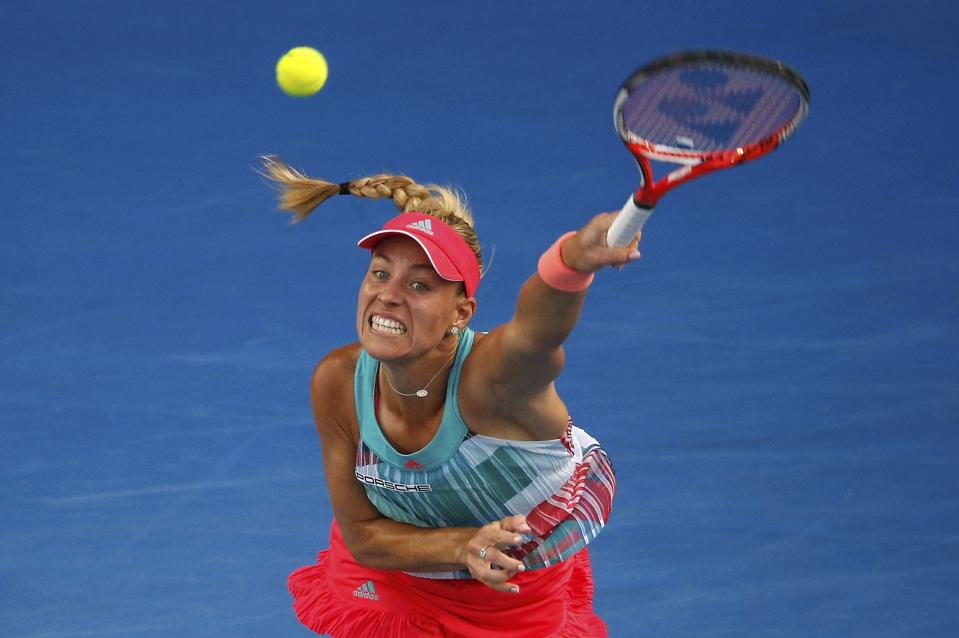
<point x="301" y="194"/>
<point x="400" y="188"/>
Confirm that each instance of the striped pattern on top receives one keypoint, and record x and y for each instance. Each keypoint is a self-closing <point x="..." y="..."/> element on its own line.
<point x="564" y="486"/>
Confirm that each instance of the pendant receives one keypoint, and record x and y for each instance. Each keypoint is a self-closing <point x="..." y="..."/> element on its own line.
<point x="421" y="393"/>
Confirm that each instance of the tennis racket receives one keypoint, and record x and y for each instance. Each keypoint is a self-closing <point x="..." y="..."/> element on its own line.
<point x="702" y="110"/>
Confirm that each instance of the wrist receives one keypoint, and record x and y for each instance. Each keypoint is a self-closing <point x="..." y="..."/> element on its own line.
<point x="556" y="273"/>
<point x="461" y="537"/>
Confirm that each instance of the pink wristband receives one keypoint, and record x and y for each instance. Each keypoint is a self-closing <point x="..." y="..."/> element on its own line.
<point x="558" y="275"/>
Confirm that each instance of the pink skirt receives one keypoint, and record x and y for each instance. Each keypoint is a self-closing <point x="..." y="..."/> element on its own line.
<point x="339" y="597"/>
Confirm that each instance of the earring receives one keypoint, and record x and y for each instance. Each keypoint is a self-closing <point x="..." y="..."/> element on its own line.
<point x="454" y="330"/>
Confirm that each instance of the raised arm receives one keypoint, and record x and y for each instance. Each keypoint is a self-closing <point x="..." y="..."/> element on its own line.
<point x="521" y="359"/>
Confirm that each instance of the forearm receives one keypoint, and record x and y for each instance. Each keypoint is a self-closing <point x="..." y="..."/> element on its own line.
<point x="387" y="544"/>
<point x="544" y="316"/>
<point x="550" y="302"/>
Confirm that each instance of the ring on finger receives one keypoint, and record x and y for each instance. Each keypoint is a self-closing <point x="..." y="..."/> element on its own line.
<point x="482" y="552"/>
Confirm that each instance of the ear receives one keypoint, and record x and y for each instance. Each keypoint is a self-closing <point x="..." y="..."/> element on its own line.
<point x="465" y="308"/>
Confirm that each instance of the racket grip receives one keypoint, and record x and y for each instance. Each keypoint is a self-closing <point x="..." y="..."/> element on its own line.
<point x="627" y="223"/>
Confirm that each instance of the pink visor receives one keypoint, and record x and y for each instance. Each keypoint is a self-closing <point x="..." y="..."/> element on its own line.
<point x="449" y="253"/>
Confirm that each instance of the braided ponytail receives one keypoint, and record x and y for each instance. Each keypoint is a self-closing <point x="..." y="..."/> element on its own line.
<point x="400" y="188"/>
<point x="301" y="194"/>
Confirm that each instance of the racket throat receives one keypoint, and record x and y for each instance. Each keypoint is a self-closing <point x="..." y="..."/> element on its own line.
<point x="643" y="202"/>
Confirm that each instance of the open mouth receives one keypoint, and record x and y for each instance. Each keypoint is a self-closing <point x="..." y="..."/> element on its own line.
<point x="386" y="326"/>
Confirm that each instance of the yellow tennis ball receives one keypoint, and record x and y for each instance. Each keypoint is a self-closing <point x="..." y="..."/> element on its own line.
<point x="301" y="71"/>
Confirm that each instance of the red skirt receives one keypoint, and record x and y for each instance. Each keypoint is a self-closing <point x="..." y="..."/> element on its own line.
<point x="339" y="597"/>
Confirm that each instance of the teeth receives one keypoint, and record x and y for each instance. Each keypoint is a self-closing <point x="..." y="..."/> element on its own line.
<point x="382" y="324"/>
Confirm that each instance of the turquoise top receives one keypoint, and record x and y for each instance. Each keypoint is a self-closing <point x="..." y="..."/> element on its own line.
<point x="452" y="429"/>
<point x="564" y="486"/>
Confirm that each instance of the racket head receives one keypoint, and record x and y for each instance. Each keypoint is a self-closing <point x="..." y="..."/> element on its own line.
<point x="707" y="110"/>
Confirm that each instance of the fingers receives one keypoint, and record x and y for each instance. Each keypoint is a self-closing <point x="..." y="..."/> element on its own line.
<point x="502" y="533"/>
<point x="501" y="562"/>
<point x="515" y="523"/>
<point x="629" y="253"/>
<point x="485" y="558"/>
<point x="630" y="249"/>
<point x="492" y="567"/>
<point x="588" y="251"/>
<point x="493" y="577"/>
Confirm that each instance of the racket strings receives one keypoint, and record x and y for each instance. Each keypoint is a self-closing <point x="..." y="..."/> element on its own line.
<point x="710" y="107"/>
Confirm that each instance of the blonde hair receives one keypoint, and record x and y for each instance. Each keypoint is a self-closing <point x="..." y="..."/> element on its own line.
<point x="301" y="194"/>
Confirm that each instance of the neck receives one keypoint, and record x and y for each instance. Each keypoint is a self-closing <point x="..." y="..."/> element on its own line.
<point x="419" y="385"/>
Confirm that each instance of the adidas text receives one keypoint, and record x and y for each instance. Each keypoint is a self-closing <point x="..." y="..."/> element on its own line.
<point x="367" y="591"/>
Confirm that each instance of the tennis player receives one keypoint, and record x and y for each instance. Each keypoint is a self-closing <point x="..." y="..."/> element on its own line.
<point x="464" y="497"/>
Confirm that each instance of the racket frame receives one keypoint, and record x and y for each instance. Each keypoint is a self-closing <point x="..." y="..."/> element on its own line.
<point x="692" y="164"/>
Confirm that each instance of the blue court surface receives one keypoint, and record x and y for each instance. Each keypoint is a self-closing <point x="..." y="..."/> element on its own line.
<point x="777" y="380"/>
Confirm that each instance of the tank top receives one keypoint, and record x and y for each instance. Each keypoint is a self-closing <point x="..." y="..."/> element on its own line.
<point x="563" y="486"/>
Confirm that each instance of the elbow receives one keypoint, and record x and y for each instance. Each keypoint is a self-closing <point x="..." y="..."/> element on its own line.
<point x="366" y="559"/>
<point x="361" y="550"/>
<point x="357" y="549"/>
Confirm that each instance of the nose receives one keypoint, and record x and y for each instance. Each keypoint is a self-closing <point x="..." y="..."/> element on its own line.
<point x="391" y="292"/>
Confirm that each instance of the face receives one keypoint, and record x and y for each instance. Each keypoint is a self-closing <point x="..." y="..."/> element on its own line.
<point x="405" y="308"/>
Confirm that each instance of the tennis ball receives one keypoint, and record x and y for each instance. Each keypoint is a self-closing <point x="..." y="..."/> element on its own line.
<point x="301" y="71"/>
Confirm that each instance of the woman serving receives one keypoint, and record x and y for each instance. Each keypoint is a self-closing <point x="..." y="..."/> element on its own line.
<point x="463" y="495"/>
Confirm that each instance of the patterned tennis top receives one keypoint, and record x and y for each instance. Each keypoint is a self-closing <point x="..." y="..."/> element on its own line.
<point x="564" y="486"/>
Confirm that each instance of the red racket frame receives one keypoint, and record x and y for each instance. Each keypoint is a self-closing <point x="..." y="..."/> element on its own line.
<point x="693" y="164"/>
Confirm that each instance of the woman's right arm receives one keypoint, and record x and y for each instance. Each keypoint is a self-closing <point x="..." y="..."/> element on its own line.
<point x="377" y="541"/>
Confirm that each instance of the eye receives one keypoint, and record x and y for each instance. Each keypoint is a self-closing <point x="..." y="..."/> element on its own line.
<point x="379" y="274"/>
<point x="419" y="286"/>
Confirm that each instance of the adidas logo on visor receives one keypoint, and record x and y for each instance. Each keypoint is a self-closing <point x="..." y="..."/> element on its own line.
<point x="423" y="225"/>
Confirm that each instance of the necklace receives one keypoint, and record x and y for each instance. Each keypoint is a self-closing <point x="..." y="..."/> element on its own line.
<point x="422" y="392"/>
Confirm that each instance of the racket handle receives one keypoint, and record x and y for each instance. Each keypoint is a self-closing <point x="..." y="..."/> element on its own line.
<point x="627" y="223"/>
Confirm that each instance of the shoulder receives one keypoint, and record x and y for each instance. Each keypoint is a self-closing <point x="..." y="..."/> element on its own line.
<point x="331" y="388"/>
<point x="336" y="367"/>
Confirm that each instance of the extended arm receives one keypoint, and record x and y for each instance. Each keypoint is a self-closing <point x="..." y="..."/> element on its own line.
<point x="521" y="359"/>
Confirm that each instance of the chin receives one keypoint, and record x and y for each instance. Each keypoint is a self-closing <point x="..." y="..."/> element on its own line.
<point x="384" y="347"/>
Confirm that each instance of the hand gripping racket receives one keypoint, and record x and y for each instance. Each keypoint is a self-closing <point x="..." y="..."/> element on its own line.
<point x="702" y="110"/>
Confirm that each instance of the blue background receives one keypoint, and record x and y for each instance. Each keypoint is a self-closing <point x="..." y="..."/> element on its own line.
<point x="777" y="379"/>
